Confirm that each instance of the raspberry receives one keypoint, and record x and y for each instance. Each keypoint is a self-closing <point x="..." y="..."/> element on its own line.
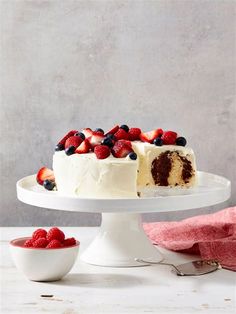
<point x="55" y="234"/>
<point x="39" y="233"/>
<point x="54" y="244"/>
<point x="28" y="243"/>
<point x="121" y="135"/>
<point x="40" y="243"/>
<point x="69" y="242"/>
<point x="169" y="137"/>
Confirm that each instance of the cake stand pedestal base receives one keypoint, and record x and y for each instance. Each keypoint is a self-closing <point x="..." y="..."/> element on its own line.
<point x="120" y="240"/>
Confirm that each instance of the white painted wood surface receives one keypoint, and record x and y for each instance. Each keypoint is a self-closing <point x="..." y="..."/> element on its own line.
<point x="91" y="289"/>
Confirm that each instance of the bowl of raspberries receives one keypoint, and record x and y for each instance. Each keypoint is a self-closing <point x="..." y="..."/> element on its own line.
<point x="46" y="255"/>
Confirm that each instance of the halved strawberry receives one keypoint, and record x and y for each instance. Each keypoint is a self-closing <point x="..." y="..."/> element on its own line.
<point x="169" y="137"/>
<point x="151" y="135"/>
<point x="121" y="150"/>
<point x="121" y="135"/>
<point x="102" y="151"/>
<point x="125" y="142"/>
<point x="95" y="139"/>
<point x="113" y="130"/>
<point x="84" y="147"/>
<point x="69" y="134"/>
<point x="87" y="132"/>
<point x="73" y="141"/>
<point x="43" y="174"/>
<point x="134" y="134"/>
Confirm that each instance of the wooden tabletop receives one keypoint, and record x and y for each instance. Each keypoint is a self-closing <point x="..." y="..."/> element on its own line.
<point x="92" y="289"/>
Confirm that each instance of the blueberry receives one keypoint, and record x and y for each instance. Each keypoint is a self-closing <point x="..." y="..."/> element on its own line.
<point x="81" y="135"/>
<point x="180" y="141"/>
<point x="124" y="127"/>
<point x="112" y="136"/>
<point x="158" y="141"/>
<point x="59" y="147"/>
<point x="70" y="150"/>
<point x="108" y="142"/>
<point x="132" y="156"/>
<point x="99" y="130"/>
<point x="49" y="185"/>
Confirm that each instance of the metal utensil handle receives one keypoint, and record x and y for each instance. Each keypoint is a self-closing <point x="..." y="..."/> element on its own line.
<point x="160" y="263"/>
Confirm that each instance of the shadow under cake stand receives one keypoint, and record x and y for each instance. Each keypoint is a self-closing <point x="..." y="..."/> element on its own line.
<point x="121" y="237"/>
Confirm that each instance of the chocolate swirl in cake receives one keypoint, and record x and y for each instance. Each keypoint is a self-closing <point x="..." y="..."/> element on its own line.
<point x="161" y="168"/>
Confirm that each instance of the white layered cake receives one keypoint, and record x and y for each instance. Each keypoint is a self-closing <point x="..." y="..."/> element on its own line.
<point x="119" y="163"/>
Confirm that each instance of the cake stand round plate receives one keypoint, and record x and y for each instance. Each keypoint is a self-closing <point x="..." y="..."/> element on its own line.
<point x="121" y="237"/>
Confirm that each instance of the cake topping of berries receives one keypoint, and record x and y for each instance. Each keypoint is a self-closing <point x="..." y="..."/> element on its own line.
<point x="69" y="134"/>
<point x="121" y="150"/>
<point x="180" y="141"/>
<point x="169" y="137"/>
<point x="121" y="134"/>
<point x="134" y="134"/>
<point x="70" y="150"/>
<point x="102" y="151"/>
<point x="124" y="127"/>
<point x="59" y="147"/>
<point x="73" y="141"/>
<point x="96" y="138"/>
<point x="43" y="174"/>
<point x="132" y="156"/>
<point x="99" y="130"/>
<point x="49" y="185"/>
<point x="84" y="147"/>
<point x="113" y="130"/>
<point x="158" y="141"/>
<point x="80" y="134"/>
<point x="108" y="141"/>
<point x="87" y="132"/>
<point x="150" y="136"/>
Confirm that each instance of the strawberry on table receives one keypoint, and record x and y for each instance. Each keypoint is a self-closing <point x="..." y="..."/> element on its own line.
<point x="43" y="174"/>
<point x="84" y="147"/>
<point x="150" y="136"/>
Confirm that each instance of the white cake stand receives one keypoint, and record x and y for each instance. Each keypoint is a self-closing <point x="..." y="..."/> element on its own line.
<point x="121" y="237"/>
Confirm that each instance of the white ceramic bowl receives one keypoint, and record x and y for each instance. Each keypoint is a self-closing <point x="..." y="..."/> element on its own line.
<point x="43" y="264"/>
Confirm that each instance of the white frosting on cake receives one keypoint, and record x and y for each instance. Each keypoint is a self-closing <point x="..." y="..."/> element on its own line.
<point x="86" y="176"/>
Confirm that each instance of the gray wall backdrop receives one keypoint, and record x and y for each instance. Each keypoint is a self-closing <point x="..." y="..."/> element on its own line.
<point x="70" y="64"/>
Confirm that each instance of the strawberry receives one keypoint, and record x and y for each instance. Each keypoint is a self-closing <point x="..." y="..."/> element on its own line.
<point x="113" y="130"/>
<point x="121" y="135"/>
<point x="69" y="134"/>
<point x="87" y="132"/>
<point x="44" y="174"/>
<point x="151" y="135"/>
<point x="73" y="141"/>
<point x="95" y="139"/>
<point x="169" y="137"/>
<point x="134" y="134"/>
<point x="121" y="150"/>
<point x="102" y="151"/>
<point x="84" y="147"/>
<point x="125" y="142"/>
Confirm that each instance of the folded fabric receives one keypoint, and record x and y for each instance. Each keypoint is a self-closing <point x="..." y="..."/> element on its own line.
<point x="213" y="236"/>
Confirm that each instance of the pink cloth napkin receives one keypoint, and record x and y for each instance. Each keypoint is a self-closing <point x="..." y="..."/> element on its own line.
<point x="212" y="236"/>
